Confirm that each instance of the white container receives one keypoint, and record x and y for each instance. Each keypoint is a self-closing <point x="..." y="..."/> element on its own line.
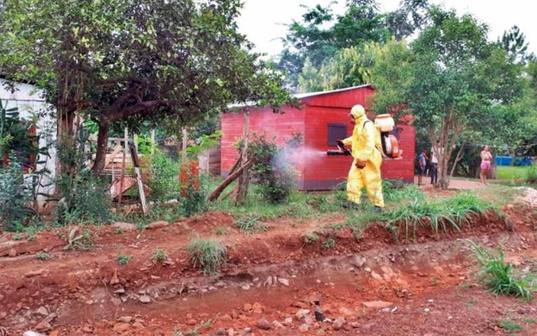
<point x="384" y="122"/>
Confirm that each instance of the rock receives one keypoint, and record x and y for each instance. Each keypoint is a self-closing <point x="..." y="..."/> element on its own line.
<point x="191" y="322"/>
<point x="357" y="261"/>
<point x="87" y="329"/>
<point x="12" y="253"/>
<point x="301" y="313"/>
<point x="221" y="332"/>
<point x="338" y="323"/>
<point x="288" y="321"/>
<point x="125" y="319"/>
<point x="355" y="325"/>
<point x="32" y="333"/>
<point x="124" y="226"/>
<point x="258" y="308"/>
<point x="245" y="287"/>
<point x="284" y="281"/>
<point x="121" y="327"/>
<point x="263" y="324"/>
<point x="115" y="279"/>
<point x="277" y="325"/>
<point x="138" y="325"/>
<point x="157" y="225"/>
<point x="42" y="311"/>
<point x="247" y="331"/>
<point x="377" y="304"/>
<point x="43" y="326"/>
<point x="145" y="299"/>
<point x="231" y="332"/>
<point x="34" y="273"/>
<point x="303" y="328"/>
<point x="120" y="291"/>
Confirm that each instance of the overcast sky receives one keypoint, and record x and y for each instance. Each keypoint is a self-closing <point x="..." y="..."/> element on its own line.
<point x="263" y="21"/>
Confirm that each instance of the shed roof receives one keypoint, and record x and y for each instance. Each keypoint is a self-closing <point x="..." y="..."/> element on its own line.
<point x="303" y="95"/>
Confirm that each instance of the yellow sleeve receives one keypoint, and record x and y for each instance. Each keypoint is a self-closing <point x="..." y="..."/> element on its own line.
<point x="347" y="141"/>
<point x="365" y="153"/>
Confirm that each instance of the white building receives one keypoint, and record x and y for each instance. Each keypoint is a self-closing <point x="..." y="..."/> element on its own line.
<point x="31" y="105"/>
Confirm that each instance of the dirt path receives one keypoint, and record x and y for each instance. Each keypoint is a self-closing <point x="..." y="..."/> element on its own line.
<point x="423" y="288"/>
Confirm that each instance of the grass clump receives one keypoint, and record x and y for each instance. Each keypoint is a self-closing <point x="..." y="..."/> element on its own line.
<point x="311" y="238"/>
<point x="207" y="254"/>
<point x="250" y="224"/>
<point x="441" y="214"/>
<point x="509" y="325"/>
<point x="499" y="275"/>
<point x="329" y="243"/>
<point x="221" y="231"/>
<point x="42" y="256"/>
<point x="159" y="256"/>
<point x="123" y="259"/>
<point x="78" y="241"/>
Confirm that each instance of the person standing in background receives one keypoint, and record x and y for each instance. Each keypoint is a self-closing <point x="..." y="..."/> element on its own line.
<point x="422" y="165"/>
<point x="486" y="158"/>
<point x="434" y="166"/>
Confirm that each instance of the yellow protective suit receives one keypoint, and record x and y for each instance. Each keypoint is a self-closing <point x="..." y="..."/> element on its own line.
<point x="363" y="144"/>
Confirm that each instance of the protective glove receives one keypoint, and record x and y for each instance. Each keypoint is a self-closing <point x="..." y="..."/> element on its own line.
<point x="360" y="164"/>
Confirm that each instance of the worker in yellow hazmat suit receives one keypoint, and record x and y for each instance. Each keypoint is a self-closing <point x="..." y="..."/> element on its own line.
<point x="365" y="169"/>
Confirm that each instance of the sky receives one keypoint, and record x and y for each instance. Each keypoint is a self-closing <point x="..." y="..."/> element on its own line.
<point x="264" y="21"/>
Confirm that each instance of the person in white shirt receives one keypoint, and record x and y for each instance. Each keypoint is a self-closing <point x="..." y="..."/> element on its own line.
<point x="434" y="164"/>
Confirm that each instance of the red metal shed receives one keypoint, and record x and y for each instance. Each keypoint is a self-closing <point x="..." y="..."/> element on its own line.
<point x="322" y="118"/>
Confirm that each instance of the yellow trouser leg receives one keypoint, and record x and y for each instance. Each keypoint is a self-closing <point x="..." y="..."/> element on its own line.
<point x="355" y="183"/>
<point x="373" y="183"/>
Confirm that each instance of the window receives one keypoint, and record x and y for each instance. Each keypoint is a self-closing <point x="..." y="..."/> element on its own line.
<point x="336" y="132"/>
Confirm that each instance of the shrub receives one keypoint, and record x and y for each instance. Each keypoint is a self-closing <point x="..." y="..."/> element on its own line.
<point x="195" y="201"/>
<point x="86" y="200"/>
<point x="159" y="256"/>
<point x="250" y="224"/>
<point x="14" y="198"/>
<point x="272" y="169"/>
<point x="311" y="238"/>
<point x="329" y="243"/>
<point x="163" y="182"/>
<point x="396" y="192"/>
<point x="123" y="259"/>
<point x="207" y="254"/>
<point x="498" y="275"/>
<point x="42" y="256"/>
<point x="76" y="241"/>
<point x="508" y="325"/>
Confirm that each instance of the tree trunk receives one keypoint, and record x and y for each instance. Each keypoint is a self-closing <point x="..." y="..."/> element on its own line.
<point x="232" y="177"/>
<point x="102" y="146"/>
<point x="244" y="179"/>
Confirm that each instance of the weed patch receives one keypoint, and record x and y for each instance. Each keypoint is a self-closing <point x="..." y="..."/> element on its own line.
<point x="250" y="224"/>
<point x="207" y="254"/>
<point x="499" y="275"/>
<point x="42" y="256"/>
<point x="78" y="241"/>
<point x="329" y="243"/>
<point x="123" y="259"/>
<point x="159" y="256"/>
<point x="509" y="325"/>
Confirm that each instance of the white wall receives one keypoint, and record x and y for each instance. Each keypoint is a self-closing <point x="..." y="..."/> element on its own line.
<point x="31" y="104"/>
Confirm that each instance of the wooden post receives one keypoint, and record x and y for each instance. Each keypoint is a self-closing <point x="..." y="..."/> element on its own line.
<point x="123" y="162"/>
<point x="242" y="186"/>
<point x="136" y="163"/>
<point x="153" y="141"/>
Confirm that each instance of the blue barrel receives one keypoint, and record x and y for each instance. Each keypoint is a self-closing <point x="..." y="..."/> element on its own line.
<point x="504" y="160"/>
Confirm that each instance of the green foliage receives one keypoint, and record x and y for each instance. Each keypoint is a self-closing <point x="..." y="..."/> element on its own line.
<point x="42" y="256"/>
<point x="221" y="231"/>
<point x="207" y="254"/>
<point x="394" y="193"/>
<point x="15" y="198"/>
<point x="450" y="78"/>
<point x="159" y="256"/>
<point x="272" y="169"/>
<point x="250" y="224"/>
<point x="499" y="275"/>
<point x="195" y="201"/>
<point x="164" y="180"/>
<point x="77" y="240"/>
<point x="150" y="64"/>
<point x="531" y="175"/>
<point x="204" y="142"/>
<point x="509" y="325"/>
<point x="439" y="214"/>
<point x="90" y="201"/>
<point x="329" y="243"/>
<point x="311" y="238"/>
<point x="123" y="259"/>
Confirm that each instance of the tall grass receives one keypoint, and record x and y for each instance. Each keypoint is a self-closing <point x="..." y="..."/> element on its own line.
<point x="207" y="254"/>
<point x="441" y="214"/>
<point x="499" y="275"/>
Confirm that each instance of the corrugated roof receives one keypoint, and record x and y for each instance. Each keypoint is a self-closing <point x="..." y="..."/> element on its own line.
<point x="301" y="96"/>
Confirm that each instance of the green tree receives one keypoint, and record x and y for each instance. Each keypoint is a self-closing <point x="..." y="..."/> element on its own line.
<point x="450" y="79"/>
<point x="514" y="42"/>
<point x="134" y="61"/>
